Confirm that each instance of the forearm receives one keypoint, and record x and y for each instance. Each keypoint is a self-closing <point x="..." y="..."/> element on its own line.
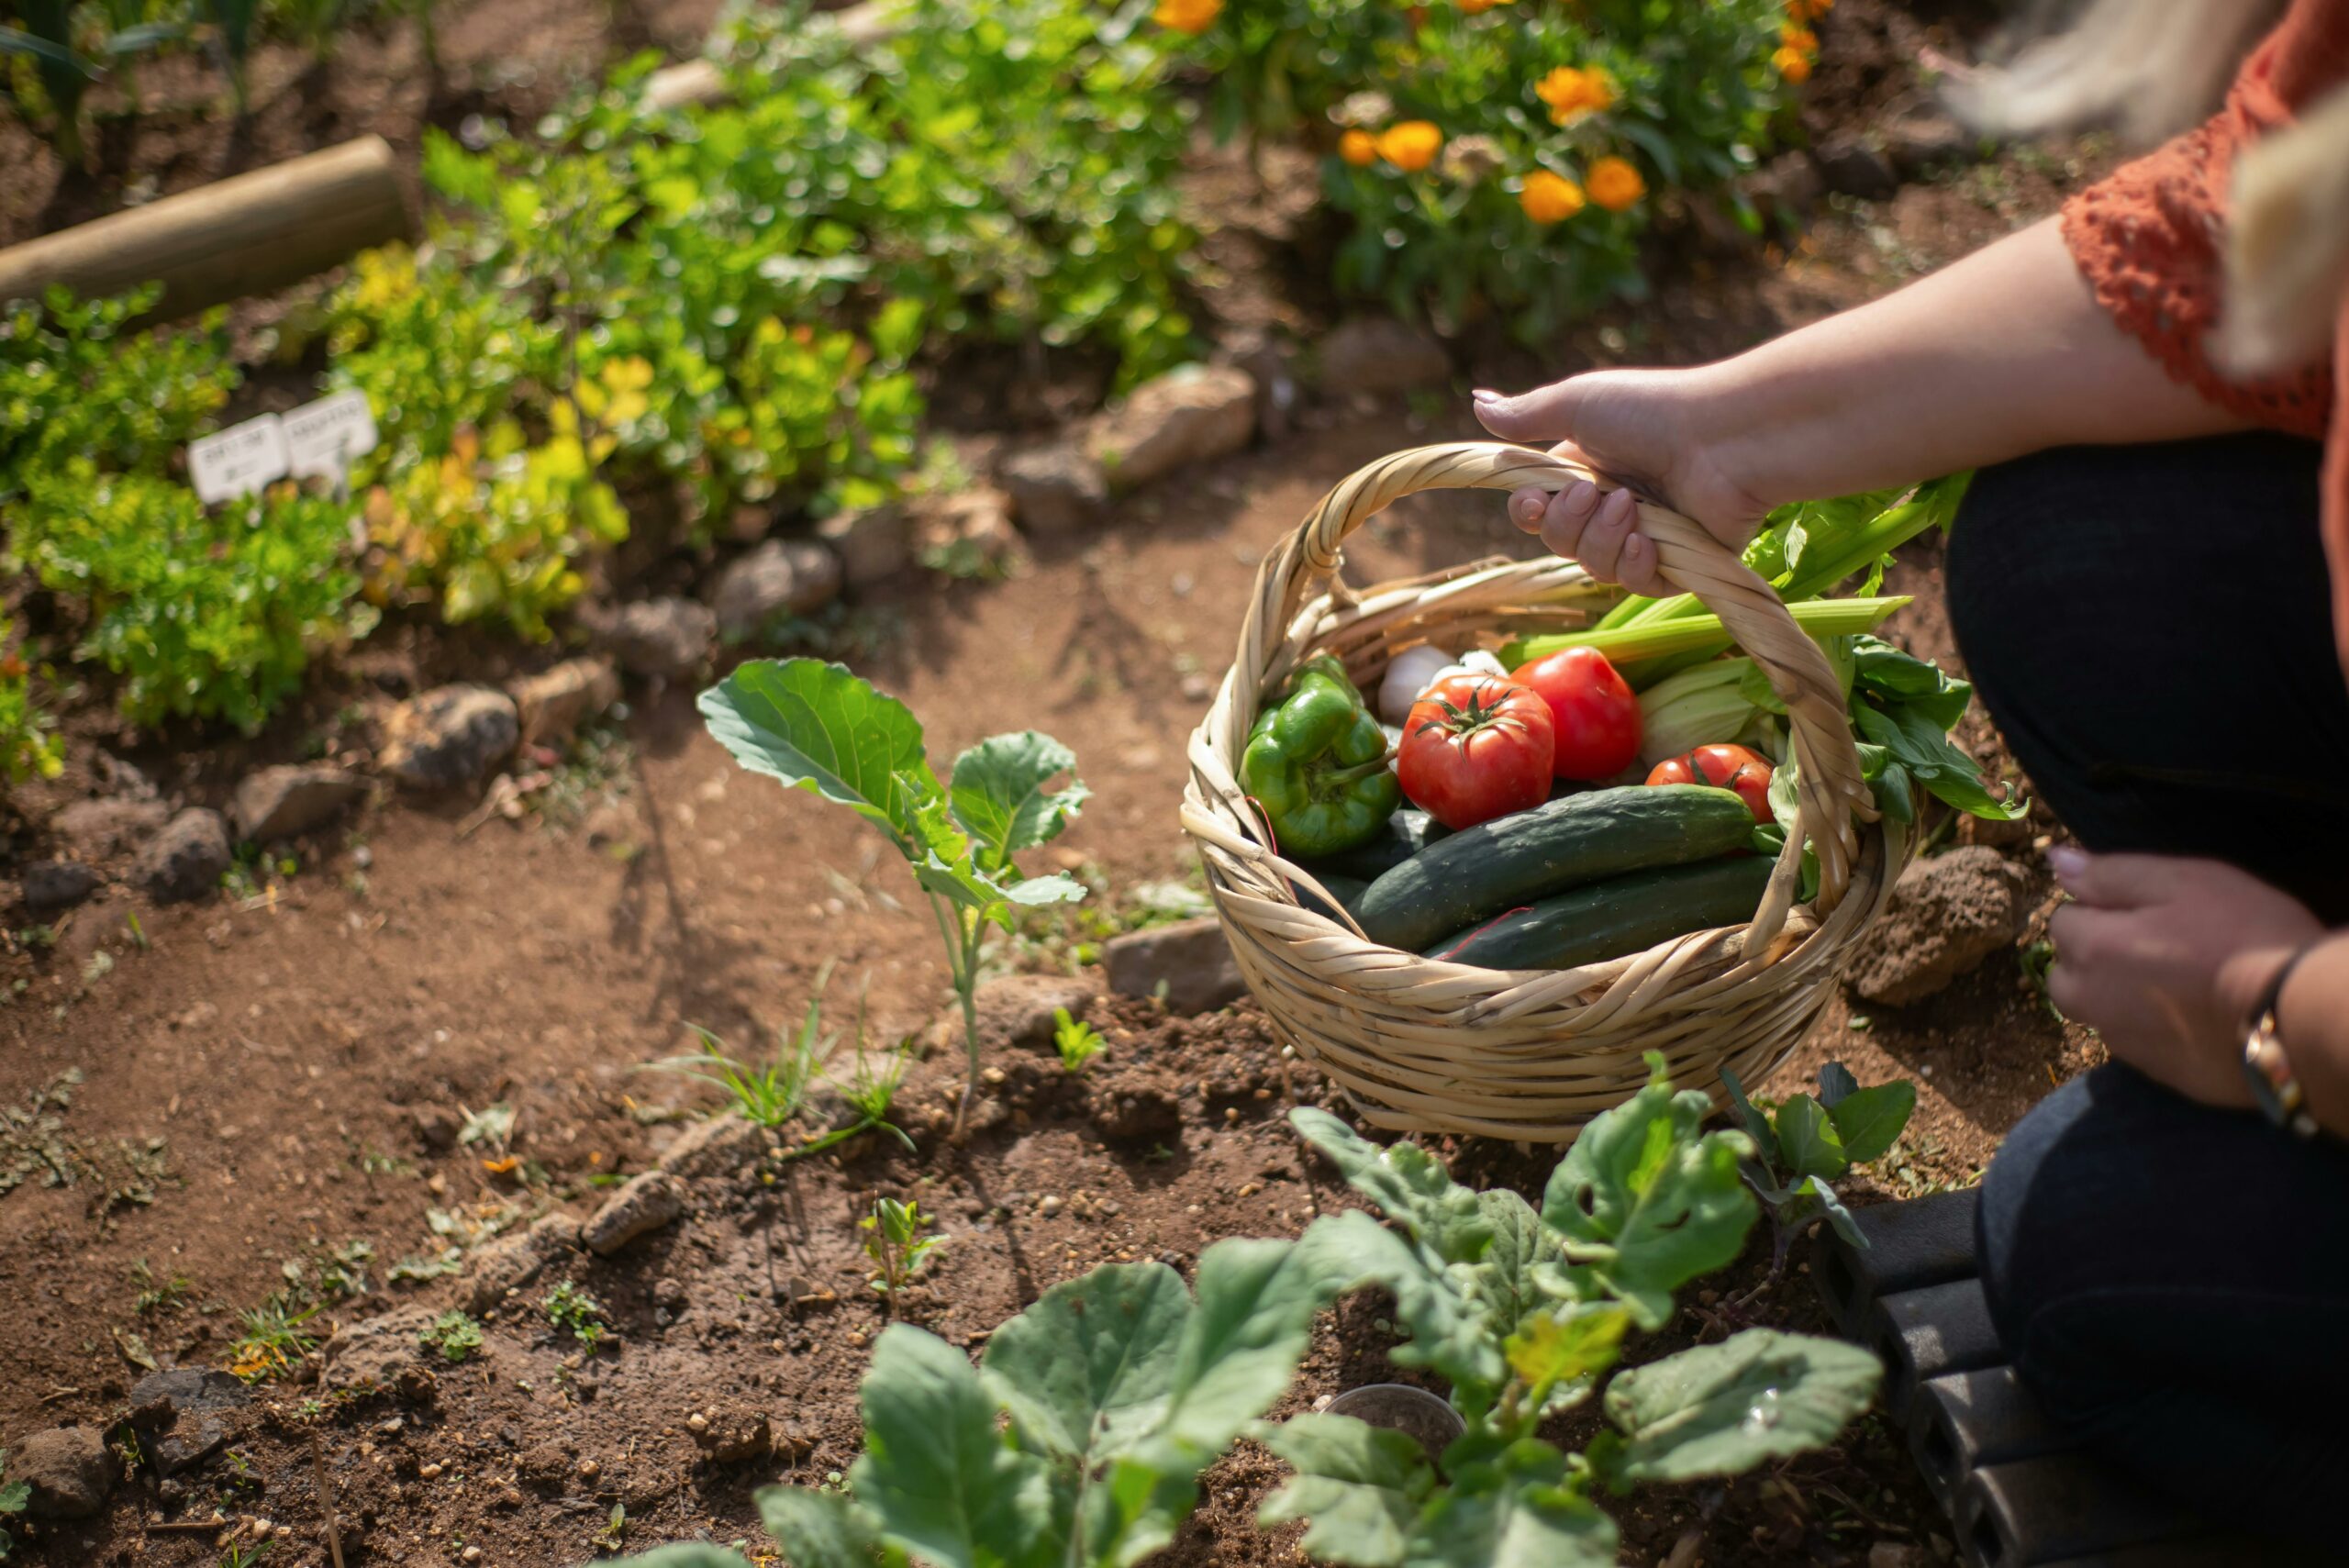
<point x="2003" y="353"/>
<point x="2312" y="1020"/>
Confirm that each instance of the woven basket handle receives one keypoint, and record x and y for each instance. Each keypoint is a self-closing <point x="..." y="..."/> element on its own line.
<point x="1833" y="791"/>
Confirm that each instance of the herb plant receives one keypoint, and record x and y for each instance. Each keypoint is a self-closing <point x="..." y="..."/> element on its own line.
<point x="816" y="726"/>
<point x="454" y="1335"/>
<point x="570" y="1310"/>
<point x="893" y="1240"/>
<point x="1802" y="1144"/>
<point x="1077" y="1041"/>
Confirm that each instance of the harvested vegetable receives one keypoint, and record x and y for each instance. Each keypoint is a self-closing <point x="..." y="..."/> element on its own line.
<point x="1732" y="768"/>
<point x="1608" y="919"/>
<point x="1594" y="717"/>
<point x="1699" y="706"/>
<point x="1700" y="637"/>
<point x="1408" y="674"/>
<point x="1317" y="763"/>
<point x="1476" y="874"/>
<point x="1406" y="834"/>
<point x="1476" y="747"/>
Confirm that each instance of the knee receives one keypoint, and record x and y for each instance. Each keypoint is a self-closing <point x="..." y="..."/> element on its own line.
<point x="1997" y="577"/>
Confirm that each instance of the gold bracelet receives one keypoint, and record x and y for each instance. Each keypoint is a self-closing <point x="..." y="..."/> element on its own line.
<point x="2275" y="1087"/>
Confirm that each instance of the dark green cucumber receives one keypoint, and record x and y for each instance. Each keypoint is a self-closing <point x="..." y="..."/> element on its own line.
<point x="1479" y="872"/>
<point x="1406" y="834"/>
<point x="1347" y="890"/>
<point x="1607" y="920"/>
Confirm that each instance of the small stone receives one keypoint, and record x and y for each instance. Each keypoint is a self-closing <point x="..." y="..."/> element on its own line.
<point x="449" y="737"/>
<point x="67" y="1468"/>
<point x="872" y="542"/>
<point x="696" y="1423"/>
<point x="1056" y="489"/>
<point x="1851" y="166"/>
<point x="470" y="1554"/>
<point x="185" y="859"/>
<point x="1172" y="422"/>
<point x="1049" y="1205"/>
<point x="554" y="702"/>
<point x="279" y="803"/>
<point x="427" y="1471"/>
<point x="1198" y="687"/>
<point x="1896" y="1554"/>
<point x="969" y="533"/>
<point x="383" y="1353"/>
<point x="667" y="637"/>
<point x="1946" y="914"/>
<point x="779" y="579"/>
<point x="1379" y="355"/>
<point x="437" y="1126"/>
<point x="51" y="887"/>
<point x="646" y="1203"/>
<point x="101" y="830"/>
<point x="1191" y="958"/>
<point x="589" y="1470"/>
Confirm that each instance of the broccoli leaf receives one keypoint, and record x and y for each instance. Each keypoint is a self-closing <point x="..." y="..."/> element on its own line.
<point x="1869" y="1121"/>
<point x="1721" y="1409"/>
<point x="1410" y="1185"/>
<point x="1001" y="797"/>
<point x="1361" y="1485"/>
<point x="818" y="728"/>
<point x="1090" y="1368"/>
<point x="1808" y="1144"/>
<point x="820" y="1529"/>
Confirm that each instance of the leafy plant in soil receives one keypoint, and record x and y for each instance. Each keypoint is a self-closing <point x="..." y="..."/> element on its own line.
<point x="816" y="726"/>
<point x="1077" y="1041"/>
<point x="1801" y="1144"/>
<point x="14" y="1497"/>
<point x="454" y="1334"/>
<point x="893" y="1240"/>
<point x="570" y="1310"/>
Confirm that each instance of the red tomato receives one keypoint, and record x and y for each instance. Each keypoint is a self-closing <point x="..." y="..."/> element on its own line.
<point x="1730" y="767"/>
<point x="1596" y="715"/>
<point x="1475" y="747"/>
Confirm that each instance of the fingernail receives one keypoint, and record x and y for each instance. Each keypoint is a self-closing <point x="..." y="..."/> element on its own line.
<point x="1486" y="395"/>
<point x="2067" y="860"/>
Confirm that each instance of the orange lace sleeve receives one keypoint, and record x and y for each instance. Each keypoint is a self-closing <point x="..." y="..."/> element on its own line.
<point x="2149" y="238"/>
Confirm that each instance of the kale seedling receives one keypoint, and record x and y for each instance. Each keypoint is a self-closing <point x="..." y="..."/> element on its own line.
<point x="818" y="728"/>
<point x="1801" y="1144"/>
<point x="1078" y="1042"/>
<point x="454" y="1335"/>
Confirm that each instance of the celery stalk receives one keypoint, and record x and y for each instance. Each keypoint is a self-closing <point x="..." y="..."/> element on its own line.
<point x="1688" y="634"/>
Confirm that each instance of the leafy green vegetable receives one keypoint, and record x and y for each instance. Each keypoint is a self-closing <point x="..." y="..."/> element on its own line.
<point x="1801" y="1144"/>
<point x="1721" y="1409"/>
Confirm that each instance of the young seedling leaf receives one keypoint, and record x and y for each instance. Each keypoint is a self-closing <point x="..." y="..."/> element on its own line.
<point x="1000" y="794"/>
<point x="1837" y="1215"/>
<point x="1555" y="1349"/>
<point x="819" y="1530"/>
<point x="1808" y="1144"/>
<point x="1722" y="1409"/>
<point x="1410" y="1185"/>
<point x="1512" y="1521"/>
<point x="1134" y="1511"/>
<point x="1869" y="1121"/>
<point x="1246" y="1333"/>
<point x="816" y="726"/>
<point x="15" y="1497"/>
<point x="1361" y="1485"/>
<point x="1835" y="1082"/>
<point x="938" y="1478"/>
<point x="1646" y="1202"/>
<point x="1749" y="1115"/>
<point x="1088" y="1368"/>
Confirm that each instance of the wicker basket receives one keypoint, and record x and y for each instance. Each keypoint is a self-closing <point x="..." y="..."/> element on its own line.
<point x="1425" y="1045"/>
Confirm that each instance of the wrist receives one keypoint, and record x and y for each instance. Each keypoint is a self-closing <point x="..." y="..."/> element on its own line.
<point x="2243" y="981"/>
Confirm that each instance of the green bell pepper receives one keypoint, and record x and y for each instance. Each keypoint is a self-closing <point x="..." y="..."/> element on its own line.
<point x="1317" y="763"/>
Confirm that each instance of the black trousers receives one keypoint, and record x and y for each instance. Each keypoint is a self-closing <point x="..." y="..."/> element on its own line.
<point x="2150" y="626"/>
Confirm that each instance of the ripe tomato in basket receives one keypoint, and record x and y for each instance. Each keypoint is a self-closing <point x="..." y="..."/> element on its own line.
<point x="1476" y="747"/>
<point x="1730" y="767"/>
<point x="1594" y="713"/>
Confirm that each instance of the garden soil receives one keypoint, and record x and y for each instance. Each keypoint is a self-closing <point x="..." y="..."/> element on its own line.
<point x="244" y="1088"/>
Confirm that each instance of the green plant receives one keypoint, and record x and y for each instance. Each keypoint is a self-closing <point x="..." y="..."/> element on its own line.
<point x="69" y="45"/>
<point x="893" y="1240"/>
<point x="241" y="1556"/>
<point x="80" y="378"/>
<point x="14" y="1496"/>
<point x="816" y="726"/>
<point x="231" y="24"/>
<point x="454" y="1334"/>
<point x="274" y="1338"/>
<point x="871" y="1091"/>
<point x="1802" y="1144"/>
<point x="573" y="1311"/>
<point x="1078" y="1042"/>
<point x="771" y="1096"/>
<point x="154" y="1295"/>
<point x="29" y="745"/>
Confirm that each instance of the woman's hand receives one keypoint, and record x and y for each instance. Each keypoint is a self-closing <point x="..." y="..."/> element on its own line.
<point x="2164" y="957"/>
<point x="1643" y="427"/>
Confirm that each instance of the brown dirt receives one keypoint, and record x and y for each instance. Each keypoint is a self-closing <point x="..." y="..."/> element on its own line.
<point x="269" y="1076"/>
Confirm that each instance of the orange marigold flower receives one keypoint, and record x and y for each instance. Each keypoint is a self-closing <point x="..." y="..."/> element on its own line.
<point x="1192" y="17"/>
<point x="1793" y="64"/>
<point x="1572" y="94"/>
<point x="1809" y="10"/>
<point x="1358" y="147"/>
<point x="1614" y="183"/>
<point x="1549" y="198"/>
<point x="1795" y="36"/>
<point x="1411" y="146"/>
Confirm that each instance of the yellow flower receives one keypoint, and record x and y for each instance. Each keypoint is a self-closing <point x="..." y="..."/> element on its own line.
<point x="1192" y="17"/>
<point x="1572" y="94"/>
<point x="1614" y="183"/>
<point x="1793" y="64"/>
<point x="1358" y="147"/>
<point x="1411" y="146"/>
<point x="1794" y="35"/>
<point x="1549" y="198"/>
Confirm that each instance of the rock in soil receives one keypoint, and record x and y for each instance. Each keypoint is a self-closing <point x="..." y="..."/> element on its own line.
<point x="1377" y="354"/>
<point x="1191" y="958"/>
<point x="1853" y="167"/>
<point x="667" y="638"/>
<point x="873" y="542"/>
<point x="646" y="1203"/>
<point x="185" y="859"/>
<point x="101" y="830"/>
<point x="68" y="1469"/>
<point x="1946" y="915"/>
<point x="513" y="1261"/>
<point x="1056" y="489"/>
<point x="1133" y="1108"/>
<point x="383" y="1353"/>
<point x="718" y="1146"/>
<point x="554" y="702"/>
<point x="51" y="887"/>
<point x="974" y="524"/>
<point x="177" y="1412"/>
<point x="781" y="578"/>
<point x="449" y="737"/>
<point x="1017" y="1010"/>
<point x="732" y="1432"/>
<point x="279" y="803"/>
<point x="1172" y="422"/>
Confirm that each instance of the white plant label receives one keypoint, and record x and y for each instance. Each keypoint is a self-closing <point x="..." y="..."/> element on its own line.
<point x="323" y="437"/>
<point x="239" y="460"/>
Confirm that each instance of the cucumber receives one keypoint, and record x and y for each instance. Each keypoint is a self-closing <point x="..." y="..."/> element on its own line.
<point x="1406" y="834"/>
<point x="1477" y="873"/>
<point x="1347" y="890"/>
<point x="1607" y="920"/>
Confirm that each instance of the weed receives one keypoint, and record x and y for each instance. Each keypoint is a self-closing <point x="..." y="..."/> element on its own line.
<point x="454" y="1335"/>
<point x="2036" y="960"/>
<point x="245" y="1556"/>
<point x="14" y="1497"/>
<point x="615" y="1527"/>
<point x="1078" y="1042"/>
<point x="893" y="1240"/>
<point x="771" y="1096"/>
<point x="573" y="1311"/>
<point x="273" y="1338"/>
<point x="156" y="1296"/>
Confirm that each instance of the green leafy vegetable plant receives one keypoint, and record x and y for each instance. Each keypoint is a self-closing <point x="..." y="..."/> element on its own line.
<point x="80" y="378"/>
<point x="454" y="1334"/>
<point x="1077" y="1041"/>
<point x="1802" y="1143"/>
<point x="570" y="1310"/>
<point x="893" y="1240"/>
<point x="29" y="745"/>
<point x="816" y="726"/>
